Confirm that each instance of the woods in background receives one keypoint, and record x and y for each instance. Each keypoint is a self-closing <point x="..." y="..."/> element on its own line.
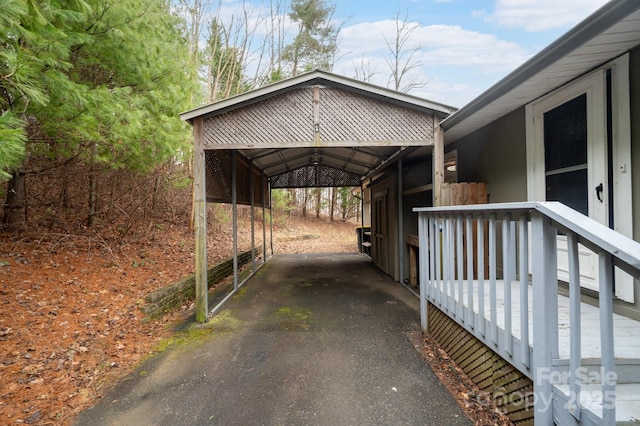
<point x="91" y="90"/>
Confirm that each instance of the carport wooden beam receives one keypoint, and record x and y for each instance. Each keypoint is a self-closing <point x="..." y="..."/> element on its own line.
<point x="438" y="164"/>
<point x="200" y="220"/>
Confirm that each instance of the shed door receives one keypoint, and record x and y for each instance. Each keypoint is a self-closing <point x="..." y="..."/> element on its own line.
<point x="379" y="231"/>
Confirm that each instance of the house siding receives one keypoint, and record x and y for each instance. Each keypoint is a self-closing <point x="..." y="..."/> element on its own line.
<point x="496" y="154"/>
<point x="634" y="76"/>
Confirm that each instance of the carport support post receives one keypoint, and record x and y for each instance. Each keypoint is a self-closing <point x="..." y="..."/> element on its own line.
<point x="234" y="214"/>
<point x="200" y="220"/>
<point x="400" y="225"/>
<point x="264" y="223"/>
<point x="270" y="218"/>
<point x="252" y="192"/>
<point x="438" y="165"/>
<point x="361" y="218"/>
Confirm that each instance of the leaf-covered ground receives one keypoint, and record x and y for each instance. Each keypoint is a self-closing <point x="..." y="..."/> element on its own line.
<point x="70" y="323"/>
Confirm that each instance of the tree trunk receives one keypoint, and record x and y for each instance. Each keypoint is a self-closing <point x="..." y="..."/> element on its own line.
<point x="15" y="207"/>
<point x="334" y="195"/>
<point x="304" y="204"/>
<point x="92" y="198"/>
<point x="318" y="201"/>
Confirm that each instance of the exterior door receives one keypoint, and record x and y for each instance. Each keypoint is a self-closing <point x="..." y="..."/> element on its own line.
<point x="569" y="145"/>
<point x="379" y="231"/>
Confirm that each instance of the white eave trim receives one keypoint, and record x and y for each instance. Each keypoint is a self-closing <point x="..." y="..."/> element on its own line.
<point x="318" y="77"/>
<point x="601" y="20"/>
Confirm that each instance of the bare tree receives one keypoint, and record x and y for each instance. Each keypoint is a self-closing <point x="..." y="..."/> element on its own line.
<point x="403" y="59"/>
<point x="362" y="70"/>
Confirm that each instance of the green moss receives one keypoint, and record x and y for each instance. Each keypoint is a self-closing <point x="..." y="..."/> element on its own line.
<point x="293" y="319"/>
<point x="195" y="334"/>
<point x="241" y="292"/>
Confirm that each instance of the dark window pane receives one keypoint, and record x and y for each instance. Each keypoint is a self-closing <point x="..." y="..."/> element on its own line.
<point x="570" y="189"/>
<point x="565" y="135"/>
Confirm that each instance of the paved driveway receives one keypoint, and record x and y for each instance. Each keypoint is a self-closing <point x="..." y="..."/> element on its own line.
<point x="309" y="340"/>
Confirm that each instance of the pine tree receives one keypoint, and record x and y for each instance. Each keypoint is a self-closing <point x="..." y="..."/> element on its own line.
<point x="314" y="46"/>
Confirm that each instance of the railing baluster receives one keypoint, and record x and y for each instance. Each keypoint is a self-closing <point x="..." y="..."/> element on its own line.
<point x="524" y="290"/>
<point x="423" y="238"/>
<point x="506" y="272"/>
<point x="438" y="254"/>
<point x="445" y="262"/>
<point x="481" y="240"/>
<point x="452" y="266"/>
<point x="492" y="278"/>
<point x="433" y="234"/>
<point x="575" y="353"/>
<point x="460" y="264"/>
<point x="469" y="239"/>
<point x="606" y="338"/>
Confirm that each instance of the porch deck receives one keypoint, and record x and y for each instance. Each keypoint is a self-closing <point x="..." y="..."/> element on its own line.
<point x="564" y="346"/>
<point x="626" y="347"/>
<point x="626" y="331"/>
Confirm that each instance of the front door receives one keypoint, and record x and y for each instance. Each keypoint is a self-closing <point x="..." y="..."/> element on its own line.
<point x="569" y="148"/>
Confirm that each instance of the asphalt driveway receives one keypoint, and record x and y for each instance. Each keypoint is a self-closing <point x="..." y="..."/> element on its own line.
<point x="309" y="340"/>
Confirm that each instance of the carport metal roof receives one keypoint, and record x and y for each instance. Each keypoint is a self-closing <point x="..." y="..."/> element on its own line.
<point x="318" y="128"/>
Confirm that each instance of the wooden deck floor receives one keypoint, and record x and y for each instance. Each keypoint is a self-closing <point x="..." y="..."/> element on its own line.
<point x="626" y="330"/>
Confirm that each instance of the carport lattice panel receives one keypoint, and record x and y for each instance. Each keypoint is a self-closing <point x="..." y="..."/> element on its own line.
<point x="345" y="118"/>
<point x="219" y="180"/>
<point x="315" y="176"/>
<point x="286" y="118"/>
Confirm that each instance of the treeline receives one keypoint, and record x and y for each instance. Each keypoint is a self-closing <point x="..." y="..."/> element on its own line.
<point x="331" y="203"/>
<point x="91" y="91"/>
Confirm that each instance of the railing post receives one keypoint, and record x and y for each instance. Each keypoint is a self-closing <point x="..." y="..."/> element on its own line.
<point x="575" y="339"/>
<point x="608" y="378"/>
<point x="545" y="314"/>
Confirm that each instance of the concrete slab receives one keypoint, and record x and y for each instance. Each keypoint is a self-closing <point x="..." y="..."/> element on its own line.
<point x="310" y="339"/>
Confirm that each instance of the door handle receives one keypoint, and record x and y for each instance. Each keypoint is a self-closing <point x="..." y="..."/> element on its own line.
<point x="599" y="190"/>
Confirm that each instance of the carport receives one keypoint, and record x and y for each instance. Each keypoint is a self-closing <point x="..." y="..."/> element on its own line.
<point x="316" y="129"/>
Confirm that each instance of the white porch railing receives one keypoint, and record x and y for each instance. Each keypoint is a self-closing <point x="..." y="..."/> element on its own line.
<point x="521" y="323"/>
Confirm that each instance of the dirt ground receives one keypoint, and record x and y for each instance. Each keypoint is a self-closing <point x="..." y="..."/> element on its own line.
<point x="70" y="324"/>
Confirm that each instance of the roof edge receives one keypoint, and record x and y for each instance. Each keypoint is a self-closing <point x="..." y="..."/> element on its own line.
<point x="594" y="24"/>
<point x="310" y="77"/>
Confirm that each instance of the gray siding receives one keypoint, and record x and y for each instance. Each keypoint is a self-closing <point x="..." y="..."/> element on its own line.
<point x="496" y="154"/>
<point x="634" y="75"/>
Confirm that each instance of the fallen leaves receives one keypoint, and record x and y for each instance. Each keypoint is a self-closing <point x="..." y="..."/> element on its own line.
<point x="69" y="320"/>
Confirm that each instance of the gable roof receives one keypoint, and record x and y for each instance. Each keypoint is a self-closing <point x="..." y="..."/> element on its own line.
<point x="608" y="33"/>
<point x="319" y="128"/>
<point x="322" y="78"/>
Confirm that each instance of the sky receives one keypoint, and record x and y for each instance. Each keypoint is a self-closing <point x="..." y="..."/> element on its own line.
<point x="465" y="46"/>
<point x="462" y="47"/>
